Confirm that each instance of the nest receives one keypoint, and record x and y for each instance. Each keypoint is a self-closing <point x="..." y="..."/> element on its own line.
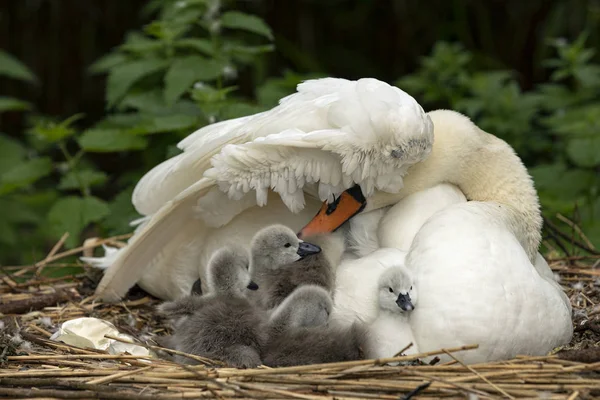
<point x="34" y="304"/>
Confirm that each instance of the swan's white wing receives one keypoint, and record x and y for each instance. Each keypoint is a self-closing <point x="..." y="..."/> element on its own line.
<point x="334" y="132"/>
<point x="367" y="123"/>
<point x="302" y="109"/>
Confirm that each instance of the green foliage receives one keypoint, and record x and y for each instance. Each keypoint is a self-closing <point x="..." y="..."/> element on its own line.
<point x="555" y="127"/>
<point x="172" y="77"/>
<point x="180" y="72"/>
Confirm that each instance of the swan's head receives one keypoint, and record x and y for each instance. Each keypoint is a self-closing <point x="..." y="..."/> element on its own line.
<point x="228" y="271"/>
<point x="278" y="245"/>
<point x="334" y="214"/>
<point x="397" y="292"/>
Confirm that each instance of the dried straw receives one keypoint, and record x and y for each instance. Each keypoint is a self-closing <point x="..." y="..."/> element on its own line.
<point x="47" y="369"/>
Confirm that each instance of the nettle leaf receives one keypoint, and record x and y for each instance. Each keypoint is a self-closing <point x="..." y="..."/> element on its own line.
<point x="121" y="214"/>
<point x="558" y="182"/>
<point x="12" y="104"/>
<point x="86" y="177"/>
<point x="204" y="46"/>
<point x="25" y="173"/>
<point x="107" y="62"/>
<point x="123" y="77"/>
<point x="169" y="123"/>
<point x="8" y="233"/>
<point x="110" y="140"/>
<point x="53" y="132"/>
<point x="246" y="22"/>
<point x="140" y="44"/>
<point x="13" y="68"/>
<point x="72" y="214"/>
<point x="13" y="210"/>
<point x="11" y="153"/>
<point x="584" y="152"/>
<point x="185" y="71"/>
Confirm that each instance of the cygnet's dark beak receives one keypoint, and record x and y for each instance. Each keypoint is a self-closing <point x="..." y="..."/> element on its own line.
<point x="306" y="249"/>
<point x="252" y="286"/>
<point x="404" y="302"/>
<point x="197" y="287"/>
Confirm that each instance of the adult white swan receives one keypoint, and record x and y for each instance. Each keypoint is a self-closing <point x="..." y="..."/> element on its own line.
<point x="327" y="137"/>
<point x="475" y="282"/>
<point x="323" y="140"/>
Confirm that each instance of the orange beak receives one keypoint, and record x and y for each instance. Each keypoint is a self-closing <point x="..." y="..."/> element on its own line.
<point x="331" y="216"/>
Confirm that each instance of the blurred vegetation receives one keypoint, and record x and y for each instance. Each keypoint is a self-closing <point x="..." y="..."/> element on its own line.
<point x="195" y="62"/>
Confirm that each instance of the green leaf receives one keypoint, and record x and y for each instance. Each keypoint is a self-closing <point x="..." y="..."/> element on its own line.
<point x="24" y="174"/>
<point x="584" y="152"/>
<point x="121" y="214"/>
<point x="8" y="234"/>
<point x="72" y="214"/>
<point x="138" y="43"/>
<point x="13" y="68"/>
<point x="86" y="177"/>
<point x="558" y="182"/>
<point x="123" y="77"/>
<point x="204" y="46"/>
<point x="11" y="153"/>
<point x="169" y="123"/>
<point x="53" y="132"/>
<point x="107" y="62"/>
<point x="185" y="71"/>
<point x="246" y="22"/>
<point x="11" y="104"/>
<point x="110" y="140"/>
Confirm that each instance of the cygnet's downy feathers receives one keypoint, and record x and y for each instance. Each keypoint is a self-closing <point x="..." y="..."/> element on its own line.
<point x="301" y="335"/>
<point x="396" y="290"/>
<point x="222" y="324"/>
<point x="391" y="331"/>
<point x="228" y="271"/>
<point x="317" y="269"/>
<point x="307" y="306"/>
<point x="277" y="245"/>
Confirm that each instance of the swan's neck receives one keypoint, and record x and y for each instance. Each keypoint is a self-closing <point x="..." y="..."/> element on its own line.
<point x="485" y="168"/>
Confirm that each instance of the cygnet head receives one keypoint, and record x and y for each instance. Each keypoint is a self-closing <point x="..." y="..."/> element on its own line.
<point x="306" y="306"/>
<point x="278" y="245"/>
<point x="228" y="271"/>
<point x="396" y="290"/>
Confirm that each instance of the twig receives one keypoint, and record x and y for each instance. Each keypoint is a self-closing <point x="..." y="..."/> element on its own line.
<point x="111" y="378"/>
<point x="408" y="346"/>
<point x="574" y="395"/>
<point x="52" y="252"/>
<point x="36" y="302"/>
<point x="479" y="375"/>
<point x="416" y="391"/>
<point x="577" y="243"/>
<point x="577" y="229"/>
<point x="200" y="359"/>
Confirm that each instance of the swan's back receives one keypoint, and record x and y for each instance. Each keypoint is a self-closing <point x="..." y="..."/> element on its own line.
<point x="400" y="224"/>
<point x="477" y="285"/>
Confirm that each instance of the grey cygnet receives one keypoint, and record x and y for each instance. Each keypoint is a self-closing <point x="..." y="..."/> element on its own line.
<point x="222" y="324"/>
<point x="300" y="334"/>
<point x="279" y="270"/>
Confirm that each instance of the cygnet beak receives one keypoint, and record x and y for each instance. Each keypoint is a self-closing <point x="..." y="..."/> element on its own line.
<point x="252" y="286"/>
<point x="197" y="287"/>
<point x="404" y="302"/>
<point x="307" y="249"/>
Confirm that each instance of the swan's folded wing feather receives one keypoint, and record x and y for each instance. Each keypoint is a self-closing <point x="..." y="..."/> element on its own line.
<point x="363" y="110"/>
<point x="145" y="246"/>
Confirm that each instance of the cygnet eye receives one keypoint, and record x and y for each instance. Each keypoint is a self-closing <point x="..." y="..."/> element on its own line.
<point x="391" y="290"/>
<point x="410" y="288"/>
<point x="287" y="245"/>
